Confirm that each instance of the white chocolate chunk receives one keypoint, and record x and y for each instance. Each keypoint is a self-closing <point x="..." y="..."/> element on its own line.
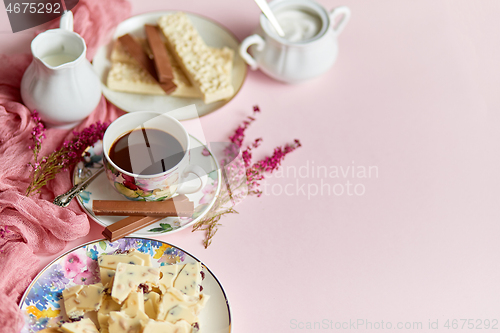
<point x="200" y="304"/>
<point x="83" y="326"/>
<point x="134" y="303"/>
<point x="181" y="312"/>
<point x="129" y="277"/>
<point x="173" y="298"/>
<point x="168" y="275"/>
<point x="110" y="261"/>
<point x="189" y="279"/>
<point x="71" y="291"/>
<point x="151" y="305"/>
<point x="107" y="276"/>
<point x="78" y="300"/>
<point x="144" y="256"/>
<point x="108" y="305"/>
<point x="166" y="327"/>
<point x="119" y="322"/>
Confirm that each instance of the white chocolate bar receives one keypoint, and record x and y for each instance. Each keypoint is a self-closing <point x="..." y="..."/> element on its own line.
<point x="203" y="69"/>
<point x="188" y="279"/>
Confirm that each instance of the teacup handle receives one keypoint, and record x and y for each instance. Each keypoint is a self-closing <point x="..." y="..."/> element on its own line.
<point x="247" y="42"/>
<point x="198" y="171"/>
<point x="66" y="22"/>
<point x="335" y="13"/>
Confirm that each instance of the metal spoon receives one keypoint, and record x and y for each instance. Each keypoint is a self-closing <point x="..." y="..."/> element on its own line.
<point x="264" y="7"/>
<point x="63" y="200"/>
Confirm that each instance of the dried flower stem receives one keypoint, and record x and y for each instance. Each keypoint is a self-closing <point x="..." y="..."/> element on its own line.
<point x="242" y="177"/>
<point x="60" y="160"/>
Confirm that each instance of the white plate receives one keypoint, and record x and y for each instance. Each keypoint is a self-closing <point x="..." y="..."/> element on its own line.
<point x="212" y="33"/>
<point x="41" y="303"/>
<point x="101" y="189"/>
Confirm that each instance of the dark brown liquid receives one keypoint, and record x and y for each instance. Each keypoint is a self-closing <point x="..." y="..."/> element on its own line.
<point x="146" y="151"/>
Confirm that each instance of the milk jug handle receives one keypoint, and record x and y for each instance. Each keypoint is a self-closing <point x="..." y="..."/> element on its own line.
<point x="343" y="11"/>
<point x="66" y="22"/>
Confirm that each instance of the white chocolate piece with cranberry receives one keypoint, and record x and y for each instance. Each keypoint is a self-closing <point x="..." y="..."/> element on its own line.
<point x="129" y="277"/>
<point x="83" y="326"/>
<point x="188" y="280"/>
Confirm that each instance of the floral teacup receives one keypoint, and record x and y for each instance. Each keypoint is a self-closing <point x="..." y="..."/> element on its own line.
<point x="150" y="187"/>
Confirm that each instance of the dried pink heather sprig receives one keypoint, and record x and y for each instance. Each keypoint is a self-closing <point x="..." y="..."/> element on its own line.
<point x="65" y="158"/>
<point x="240" y="173"/>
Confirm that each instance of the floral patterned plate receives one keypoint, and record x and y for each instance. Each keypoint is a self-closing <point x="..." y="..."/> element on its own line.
<point x="101" y="189"/>
<point x="42" y="302"/>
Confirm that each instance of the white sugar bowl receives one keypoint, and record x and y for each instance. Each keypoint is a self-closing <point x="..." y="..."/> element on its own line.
<point x="309" y="47"/>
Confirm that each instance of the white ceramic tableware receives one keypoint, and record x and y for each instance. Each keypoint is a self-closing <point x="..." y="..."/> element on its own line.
<point x="137" y="185"/>
<point x="60" y="83"/>
<point x="309" y="48"/>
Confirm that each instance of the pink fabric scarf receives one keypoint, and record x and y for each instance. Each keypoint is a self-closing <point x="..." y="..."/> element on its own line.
<point x="34" y="224"/>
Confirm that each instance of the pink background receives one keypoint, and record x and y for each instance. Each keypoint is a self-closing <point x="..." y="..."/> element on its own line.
<point x="414" y="93"/>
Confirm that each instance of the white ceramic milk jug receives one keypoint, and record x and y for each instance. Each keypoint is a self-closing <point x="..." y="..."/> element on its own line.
<point x="309" y="47"/>
<point x="60" y="83"/>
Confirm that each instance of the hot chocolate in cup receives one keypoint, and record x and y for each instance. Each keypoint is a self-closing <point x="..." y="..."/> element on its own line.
<point x="146" y="157"/>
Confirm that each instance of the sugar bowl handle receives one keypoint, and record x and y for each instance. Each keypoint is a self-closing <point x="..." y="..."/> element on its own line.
<point x="343" y="11"/>
<point x="247" y="42"/>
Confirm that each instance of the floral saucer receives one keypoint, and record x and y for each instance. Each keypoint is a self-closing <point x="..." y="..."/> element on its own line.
<point x="101" y="189"/>
<point x="42" y="304"/>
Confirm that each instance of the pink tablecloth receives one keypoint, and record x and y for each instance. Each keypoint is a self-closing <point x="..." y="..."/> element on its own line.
<point x="414" y="95"/>
<point x="33" y="225"/>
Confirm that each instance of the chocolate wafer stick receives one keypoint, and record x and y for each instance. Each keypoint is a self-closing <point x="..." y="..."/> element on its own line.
<point x="160" y="56"/>
<point x="178" y="206"/>
<point x="137" y="52"/>
<point x="127" y="226"/>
